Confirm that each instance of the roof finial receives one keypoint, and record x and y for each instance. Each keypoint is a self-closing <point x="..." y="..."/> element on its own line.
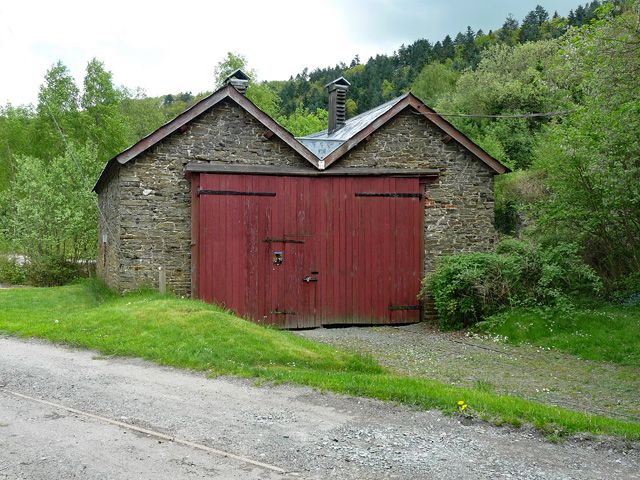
<point x="239" y="80"/>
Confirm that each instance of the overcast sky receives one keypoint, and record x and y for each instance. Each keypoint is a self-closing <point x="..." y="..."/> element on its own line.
<point x="168" y="47"/>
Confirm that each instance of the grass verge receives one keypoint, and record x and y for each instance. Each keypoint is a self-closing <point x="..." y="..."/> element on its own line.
<point x="192" y="334"/>
<point x="608" y="333"/>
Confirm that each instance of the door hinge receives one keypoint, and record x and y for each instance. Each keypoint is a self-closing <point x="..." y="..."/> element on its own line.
<point x="388" y="195"/>
<point x="404" y="307"/>
<point x="282" y="240"/>
<point x="203" y="191"/>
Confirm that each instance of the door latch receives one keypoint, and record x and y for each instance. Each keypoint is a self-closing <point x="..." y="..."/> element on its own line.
<point x="309" y="279"/>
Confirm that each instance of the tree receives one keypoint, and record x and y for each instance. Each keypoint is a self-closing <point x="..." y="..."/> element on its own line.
<point x="591" y="159"/>
<point x="57" y="111"/>
<point x="142" y="114"/>
<point x="532" y="23"/>
<point x="262" y="94"/>
<point x="554" y="28"/>
<point x="352" y="107"/>
<point x="52" y="210"/>
<point x="265" y="98"/>
<point x="17" y="136"/>
<point x="509" y="32"/>
<point x="448" y="48"/>
<point x="508" y="80"/>
<point x="434" y="81"/>
<point x="467" y="51"/>
<point x="168" y="100"/>
<point x="388" y="90"/>
<point x="303" y="122"/>
<point x="103" y="123"/>
<point x="174" y="105"/>
<point x="98" y="87"/>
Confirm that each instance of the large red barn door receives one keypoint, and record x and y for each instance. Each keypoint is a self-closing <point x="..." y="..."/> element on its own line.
<point x="301" y="252"/>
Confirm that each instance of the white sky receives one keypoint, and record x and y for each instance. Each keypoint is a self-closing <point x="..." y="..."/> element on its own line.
<point x="169" y="47"/>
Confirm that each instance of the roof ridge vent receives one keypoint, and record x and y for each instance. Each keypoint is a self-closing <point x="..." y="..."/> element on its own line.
<point x="337" y="103"/>
<point x="239" y="80"/>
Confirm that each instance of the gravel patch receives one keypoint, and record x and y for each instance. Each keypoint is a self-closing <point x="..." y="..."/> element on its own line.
<point x="310" y="434"/>
<point x="538" y="374"/>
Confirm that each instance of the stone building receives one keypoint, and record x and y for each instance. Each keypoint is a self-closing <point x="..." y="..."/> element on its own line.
<point x="224" y="204"/>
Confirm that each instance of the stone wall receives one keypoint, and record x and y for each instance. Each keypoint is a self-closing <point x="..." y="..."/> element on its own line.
<point x="108" y="261"/>
<point x="458" y="213"/>
<point x="155" y="196"/>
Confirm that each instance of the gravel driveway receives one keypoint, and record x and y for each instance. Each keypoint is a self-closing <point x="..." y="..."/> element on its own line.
<point x="306" y="433"/>
<point x="529" y="372"/>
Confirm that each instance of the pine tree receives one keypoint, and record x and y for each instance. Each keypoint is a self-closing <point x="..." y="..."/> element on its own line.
<point x="530" y="30"/>
<point x="508" y="33"/>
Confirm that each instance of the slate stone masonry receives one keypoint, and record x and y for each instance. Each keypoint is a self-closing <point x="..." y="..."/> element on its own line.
<point x="109" y="231"/>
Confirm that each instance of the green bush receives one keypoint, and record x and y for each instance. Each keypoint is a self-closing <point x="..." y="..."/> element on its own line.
<point x="11" y="272"/>
<point x="626" y="290"/>
<point x="50" y="271"/>
<point x="469" y="287"/>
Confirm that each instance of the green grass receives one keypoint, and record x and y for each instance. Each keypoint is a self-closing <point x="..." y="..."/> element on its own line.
<point x="191" y="334"/>
<point x="606" y="333"/>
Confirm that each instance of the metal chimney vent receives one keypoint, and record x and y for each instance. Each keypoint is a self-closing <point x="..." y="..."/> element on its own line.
<point x="239" y="80"/>
<point x="337" y="103"/>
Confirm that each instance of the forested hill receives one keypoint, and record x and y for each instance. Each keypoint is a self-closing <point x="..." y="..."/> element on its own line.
<point x="430" y="71"/>
<point x="384" y="77"/>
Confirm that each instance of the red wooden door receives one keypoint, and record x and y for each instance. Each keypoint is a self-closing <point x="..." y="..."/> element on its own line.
<point x="234" y="219"/>
<point x="370" y="250"/>
<point x="293" y="239"/>
<point x="256" y="247"/>
<point x="300" y="252"/>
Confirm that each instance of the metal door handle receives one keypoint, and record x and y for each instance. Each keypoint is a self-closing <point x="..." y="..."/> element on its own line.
<point x="309" y="278"/>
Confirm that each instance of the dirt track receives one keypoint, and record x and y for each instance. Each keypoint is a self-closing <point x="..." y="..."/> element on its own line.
<point x="305" y="433"/>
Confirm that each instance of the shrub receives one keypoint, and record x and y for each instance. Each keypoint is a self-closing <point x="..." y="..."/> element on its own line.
<point x="470" y="287"/>
<point x="51" y="270"/>
<point x="11" y="272"/>
<point x="563" y="274"/>
<point x="627" y="290"/>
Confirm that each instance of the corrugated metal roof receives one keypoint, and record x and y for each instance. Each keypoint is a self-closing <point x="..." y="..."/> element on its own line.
<point x="322" y="143"/>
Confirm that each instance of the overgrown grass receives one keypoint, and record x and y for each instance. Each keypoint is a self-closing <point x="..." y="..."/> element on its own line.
<point x="606" y="333"/>
<point x="170" y="331"/>
<point x="191" y="334"/>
